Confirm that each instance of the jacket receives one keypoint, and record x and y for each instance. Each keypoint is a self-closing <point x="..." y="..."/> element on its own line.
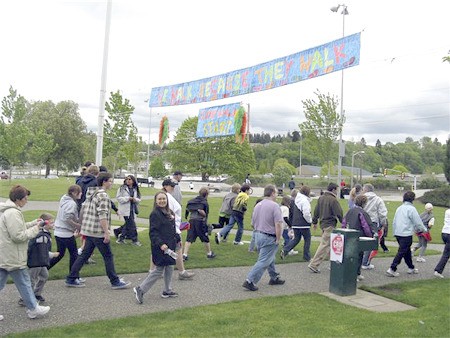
<point x="240" y="203"/>
<point x="407" y="220"/>
<point x="39" y="250"/>
<point x="227" y="204"/>
<point x="68" y="210"/>
<point x="193" y="205"/>
<point x="96" y="207"/>
<point x="123" y="197"/>
<point x="14" y="236"/>
<point x="300" y="212"/>
<point x="328" y="211"/>
<point x="85" y="182"/>
<point x="375" y="208"/>
<point x="357" y="219"/>
<point x="162" y="231"/>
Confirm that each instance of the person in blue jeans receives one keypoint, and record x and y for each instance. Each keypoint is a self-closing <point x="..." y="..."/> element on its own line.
<point x="268" y="224"/>
<point x="237" y="216"/>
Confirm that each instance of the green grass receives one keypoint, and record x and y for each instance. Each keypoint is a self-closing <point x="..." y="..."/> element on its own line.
<point x="302" y="315"/>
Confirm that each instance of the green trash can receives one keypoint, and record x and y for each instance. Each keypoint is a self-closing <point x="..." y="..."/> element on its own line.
<point x="345" y="246"/>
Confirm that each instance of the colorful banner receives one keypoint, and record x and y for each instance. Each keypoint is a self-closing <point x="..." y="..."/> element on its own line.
<point x="217" y="121"/>
<point x="317" y="61"/>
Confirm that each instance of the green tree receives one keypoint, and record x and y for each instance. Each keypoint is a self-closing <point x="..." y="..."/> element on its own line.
<point x="157" y="168"/>
<point x="212" y="156"/>
<point x="14" y="131"/>
<point x="323" y="125"/>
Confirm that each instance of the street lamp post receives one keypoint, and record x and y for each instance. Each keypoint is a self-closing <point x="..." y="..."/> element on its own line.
<point x="341" y="151"/>
<point x="301" y="144"/>
<point x="148" y="145"/>
<point x="353" y="162"/>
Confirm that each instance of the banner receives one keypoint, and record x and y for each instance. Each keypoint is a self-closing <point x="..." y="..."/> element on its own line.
<point x="317" y="61"/>
<point x="217" y="121"/>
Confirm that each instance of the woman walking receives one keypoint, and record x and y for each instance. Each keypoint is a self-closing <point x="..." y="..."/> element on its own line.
<point x="129" y="196"/>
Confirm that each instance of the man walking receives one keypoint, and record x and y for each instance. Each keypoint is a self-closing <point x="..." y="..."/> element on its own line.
<point x="328" y="211"/>
<point x="95" y="225"/>
<point x="268" y="225"/>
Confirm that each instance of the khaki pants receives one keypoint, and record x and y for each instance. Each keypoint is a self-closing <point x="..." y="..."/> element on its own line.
<point x="323" y="251"/>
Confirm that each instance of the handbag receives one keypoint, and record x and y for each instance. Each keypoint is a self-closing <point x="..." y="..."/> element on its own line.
<point x="185" y="226"/>
<point x="136" y="209"/>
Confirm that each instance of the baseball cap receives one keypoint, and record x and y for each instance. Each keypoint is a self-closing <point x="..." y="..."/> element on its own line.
<point x="167" y="182"/>
<point x="177" y="173"/>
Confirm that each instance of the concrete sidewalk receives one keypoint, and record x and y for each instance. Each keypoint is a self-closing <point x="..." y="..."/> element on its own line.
<point x="210" y="286"/>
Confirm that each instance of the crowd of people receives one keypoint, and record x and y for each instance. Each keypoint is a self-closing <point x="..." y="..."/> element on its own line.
<point x="25" y="247"/>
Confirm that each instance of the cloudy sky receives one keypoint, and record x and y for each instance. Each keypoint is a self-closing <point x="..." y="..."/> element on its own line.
<point x="53" y="50"/>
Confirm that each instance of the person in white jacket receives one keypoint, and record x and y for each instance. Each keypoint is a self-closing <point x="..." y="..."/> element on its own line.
<point x="14" y="236"/>
<point x="129" y="197"/>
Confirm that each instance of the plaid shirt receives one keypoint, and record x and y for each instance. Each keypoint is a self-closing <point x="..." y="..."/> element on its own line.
<point x="96" y="207"/>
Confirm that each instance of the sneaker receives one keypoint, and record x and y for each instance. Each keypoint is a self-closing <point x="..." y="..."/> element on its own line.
<point x="81" y="280"/>
<point x="438" y="275"/>
<point x="170" y="293"/>
<point x="386" y="251"/>
<point x="138" y="294"/>
<point x="313" y="269"/>
<point x="282" y="254"/>
<point x="137" y="243"/>
<point x="238" y="243"/>
<point x="421" y="259"/>
<point x="359" y="278"/>
<point x="185" y="275"/>
<point x="80" y="251"/>
<point x="218" y="238"/>
<point x="368" y="267"/>
<point x="121" y="284"/>
<point x="413" y="271"/>
<point x="276" y="281"/>
<point x="211" y="255"/>
<point x="1" y="317"/>
<point x="38" y="311"/>
<point x="120" y="241"/>
<point x="293" y="252"/>
<point x="40" y="298"/>
<point x="185" y="257"/>
<point x="250" y="286"/>
<point x="117" y="232"/>
<point x="392" y="273"/>
<point x="90" y="261"/>
<point x="74" y="284"/>
<point x="21" y="302"/>
<point x="223" y="240"/>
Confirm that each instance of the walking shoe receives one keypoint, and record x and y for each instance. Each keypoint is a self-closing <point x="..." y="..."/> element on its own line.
<point x="185" y="257"/>
<point x="81" y="280"/>
<point x="438" y="275"/>
<point x="211" y="255"/>
<point x="38" y="311"/>
<point x="238" y="243"/>
<point x="40" y="298"/>
<point x="90" y="261"/>
<point x="359" y="278"/>
<point x="276" y="281"/>
<point x="218" y="238"/>
<point x="21" y="302"/>
<point x="120" y="241"/>
<point x="313" y="269"/>
<point x="392" y="273"/>
<point x="137" y="243"/>
<point x="292" y="252"/>
<point x="121" y="284"/>
<point x="1" y="317"/>
<point x="421" y="259"/>
<point x="368" y="267"/>
<point x="170" y="293"/>
<point x="138" y="294"/>
<point x="386" y="251"/>
<point x="74" y="284"/>
<point x="250" y="286"/>
<point x="282" y="254"/>
<point x="185" y="275"/>
<point x="413" y="271"/>
<point x="117" y="232"/>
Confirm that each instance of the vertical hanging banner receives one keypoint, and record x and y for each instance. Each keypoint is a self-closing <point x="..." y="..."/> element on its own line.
<point x="330" y="57"/>
<point x="220" y="120"/>
<point x="163" y="130"/>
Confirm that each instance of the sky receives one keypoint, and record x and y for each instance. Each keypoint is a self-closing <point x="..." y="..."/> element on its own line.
<point x="53" y="50"/>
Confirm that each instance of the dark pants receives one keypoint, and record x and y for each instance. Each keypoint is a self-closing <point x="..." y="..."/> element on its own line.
<point x="108" y="258"/>
<point x="129" y="228"/>
<point x="445" y="255"/>
<point x="383" y="235"/>
<point x="404" y="251"/>
<point x="62" y="244"/>
<point x="298" y="233"/>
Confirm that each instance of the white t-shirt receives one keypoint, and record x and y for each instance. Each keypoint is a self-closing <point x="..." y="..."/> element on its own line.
<point x="284" y="213"/>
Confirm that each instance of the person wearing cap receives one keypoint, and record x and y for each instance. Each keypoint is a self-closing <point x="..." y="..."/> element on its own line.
<point x="168" y="186"/>
<point x="177" y="176"/>
<point x="424" y="237"/>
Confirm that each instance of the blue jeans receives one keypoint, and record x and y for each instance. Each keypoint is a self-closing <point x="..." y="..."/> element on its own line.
<point x="236" y="217"/>
<point x="286" y="238"/>
<point x="108" y="258"/>
<point x="267" y="248"/>
<point x="298" y="233"/>
<point x="22" y="282"/>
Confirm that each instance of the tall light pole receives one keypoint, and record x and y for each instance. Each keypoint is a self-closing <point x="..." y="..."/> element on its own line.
<point x="149" y="136"/>
<point x="301" y="143"/>
<point x="353" y="162"/>
<point x="340" y="147"/>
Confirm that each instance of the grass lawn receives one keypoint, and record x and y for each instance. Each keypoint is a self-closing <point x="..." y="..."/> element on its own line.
<point x="302" y="315"/>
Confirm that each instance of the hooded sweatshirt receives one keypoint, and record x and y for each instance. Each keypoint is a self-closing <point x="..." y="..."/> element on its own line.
<point x="14" y="236"/>
<point x="85" y="183"/>
<point x="375" y="208"/>
<point x="68" y="210"/>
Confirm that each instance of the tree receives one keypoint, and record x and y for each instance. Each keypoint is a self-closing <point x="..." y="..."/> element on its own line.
<point x="212" y="156"/>
<point x="14" y="131"/>
<point x="323" y="125"/>
<point x="157" y="168"/>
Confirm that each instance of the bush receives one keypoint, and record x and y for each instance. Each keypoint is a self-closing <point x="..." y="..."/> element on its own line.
<point x="430" y="183"/>
<point x="439" y="197"/>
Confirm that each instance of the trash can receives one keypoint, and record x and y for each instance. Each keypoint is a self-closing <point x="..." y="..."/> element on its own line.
<point x="345" y="246"/>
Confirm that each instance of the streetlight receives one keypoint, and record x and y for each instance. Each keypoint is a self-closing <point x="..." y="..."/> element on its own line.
<point x="300" y="166"/>
<point x="341" y="148"/>
<point x="149" y="135"/>
<point x="353" y="161"/>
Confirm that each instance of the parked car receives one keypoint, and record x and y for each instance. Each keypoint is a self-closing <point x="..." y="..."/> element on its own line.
<point x="3" y="175"/>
